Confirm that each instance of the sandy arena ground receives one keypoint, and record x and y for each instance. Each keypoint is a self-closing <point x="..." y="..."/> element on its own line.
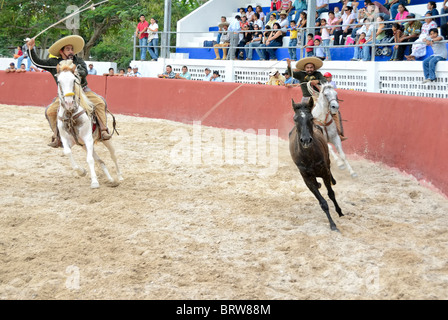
<point x="174" y="230"/>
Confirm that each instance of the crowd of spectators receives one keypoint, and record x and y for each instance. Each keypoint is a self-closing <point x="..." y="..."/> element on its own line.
<point x="342" y="25"/>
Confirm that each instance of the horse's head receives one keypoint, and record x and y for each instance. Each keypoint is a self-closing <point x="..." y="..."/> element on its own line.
<point x="67" y="79"/>
<point x="331" y="96"/>
<point x="303" y="120"/>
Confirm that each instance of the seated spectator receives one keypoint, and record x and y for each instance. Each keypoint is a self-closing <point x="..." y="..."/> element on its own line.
<point x="358" y="56"/>
<point x="208" y="75"/>
<point x="275" y="40"/>
<point x="275" y="8"/>
<point x="244" y="22"/>
<point x="337" y="13"/>
<point x="168" y="74"/>
<point x="286" y="7"/>
<point x="398" y="32"/>
<point x="411" y="32"/>
<point x="290" y="82"/>
<point x="272" y="20"/>
<point x="309" y="45"/>
<point x="333" y="22"/>
<point x="121" y="73"/>
<point x="419" y="46"/>
<point x="258" y="21"/>
<point x="292" y="46"/>
<point x="224" y="42"/>
<point x="19" y="52"/>
<point x="440" y="54"/>
<point x="259" y="10"/>
<point x="444" y="10"/>
<point x="361" y="17"/>
<point x="242" y="12"/>
<point x="185" y="75"/>
<point x="216" y="77"/>
<point x="432" y="9"/>
<point x="220" y="29"/>
<point x="275" y="78"/>
<point x="283" y="21"/>
<point x="393" y="7"/>
<point x="255" y="42"/>
<point x="247" y="38"/>
<point x="111" y="73"/>
<point x="348" y="18"/>
<point x="322" y="6"/>
<point x="353" y="4"/>
<point x="11" y="68"/>
<point x="297" y="7"/>
<point x="377" y="38"/>
<point x="444" y="30"/>
<point x="260" y="51"/>
<point x="318" y="50"/>
<point x="250" y="13"/>
<point x="379" y="9"/>
<point x="402" y="12"/>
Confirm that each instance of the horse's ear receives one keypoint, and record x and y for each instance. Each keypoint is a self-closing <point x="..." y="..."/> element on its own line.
<point x="293" y="102"/>
<point x="311" y="103"/>
<point x="73" y="68"/>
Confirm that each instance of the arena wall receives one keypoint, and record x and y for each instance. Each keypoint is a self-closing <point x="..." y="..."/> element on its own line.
<point x="408" y="133"/>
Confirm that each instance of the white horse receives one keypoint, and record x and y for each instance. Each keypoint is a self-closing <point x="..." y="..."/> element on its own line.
<point x="75" y="122"/>
<point x="327" y="104"/>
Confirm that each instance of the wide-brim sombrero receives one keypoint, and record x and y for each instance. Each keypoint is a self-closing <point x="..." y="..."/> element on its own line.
<point x="222" y="24"/>
<point x="300" y="65"/>
<point x="76" y="41"/>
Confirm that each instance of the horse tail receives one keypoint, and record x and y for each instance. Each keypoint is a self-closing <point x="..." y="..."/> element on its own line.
<point x="333" y="181"/>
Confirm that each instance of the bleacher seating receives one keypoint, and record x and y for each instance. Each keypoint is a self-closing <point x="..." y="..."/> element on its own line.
<point x="418" y="7"/>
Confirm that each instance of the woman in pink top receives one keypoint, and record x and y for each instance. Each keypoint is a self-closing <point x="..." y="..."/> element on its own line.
<point x="402" y="12"/>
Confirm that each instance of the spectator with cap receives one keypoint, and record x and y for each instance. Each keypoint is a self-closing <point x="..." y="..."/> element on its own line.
<point x="185" y="75"/>
<point x="208" y="75"/>
<point x="275" y="78"/>
<point x="329" y="78"/>
<point x="216" y="77"/>
<point x="11" y="68"/>
<point x="135" y="72"/>
<point x="91" y="70"/>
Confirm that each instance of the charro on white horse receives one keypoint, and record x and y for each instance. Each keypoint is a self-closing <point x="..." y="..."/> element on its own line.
<point x="75" y="123"/>
<point x="326" y="105"/>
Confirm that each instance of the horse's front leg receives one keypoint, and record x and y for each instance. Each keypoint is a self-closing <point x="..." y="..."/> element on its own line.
<point x="102" y="164"/>
<point x="67" y="144"/>
<point x="111" y="149"/>
<point x="338" y="145"/>
<point x="91" y="162"/>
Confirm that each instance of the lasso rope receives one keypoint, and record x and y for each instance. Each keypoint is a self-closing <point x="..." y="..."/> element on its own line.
<point x="91" y="7"/>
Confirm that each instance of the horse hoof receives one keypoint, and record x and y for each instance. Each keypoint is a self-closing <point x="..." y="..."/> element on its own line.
<point x="354" y="175"/>
<point x="82" y="172"/>
<point x="95" y="185"/>
<point x="342" y="167"/>
<point x="120" y="178"/>
<point x="334" y="228"/>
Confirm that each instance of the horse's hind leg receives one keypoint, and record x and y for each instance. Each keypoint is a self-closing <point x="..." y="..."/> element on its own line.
<point x="339" y="161"/>
<point x="111" y="149"/>
<point x="338" y="146"/>
<point x="311" y="184"/>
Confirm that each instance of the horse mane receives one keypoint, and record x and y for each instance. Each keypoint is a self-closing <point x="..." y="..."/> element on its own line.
<point x="85" y="103"/>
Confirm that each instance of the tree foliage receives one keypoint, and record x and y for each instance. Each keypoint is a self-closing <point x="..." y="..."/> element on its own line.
<point x="108" y="30"/>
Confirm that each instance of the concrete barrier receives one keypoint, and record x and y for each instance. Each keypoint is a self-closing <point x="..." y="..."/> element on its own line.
<point x="408" y="133"/>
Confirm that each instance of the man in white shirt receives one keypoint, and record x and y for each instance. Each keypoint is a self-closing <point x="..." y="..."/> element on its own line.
<point x="92" y="70"/>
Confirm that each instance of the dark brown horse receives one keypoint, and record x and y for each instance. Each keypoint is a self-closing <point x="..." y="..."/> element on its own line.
<point x="309" y="151"/>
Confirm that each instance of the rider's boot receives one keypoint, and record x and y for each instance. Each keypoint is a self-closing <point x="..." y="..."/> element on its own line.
<point x="55" y="140"/>
<point x="337" y="119"/>
<point x="100" y="115"/>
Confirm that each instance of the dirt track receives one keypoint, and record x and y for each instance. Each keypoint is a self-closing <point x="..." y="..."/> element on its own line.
<point x="188" y="231"/>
